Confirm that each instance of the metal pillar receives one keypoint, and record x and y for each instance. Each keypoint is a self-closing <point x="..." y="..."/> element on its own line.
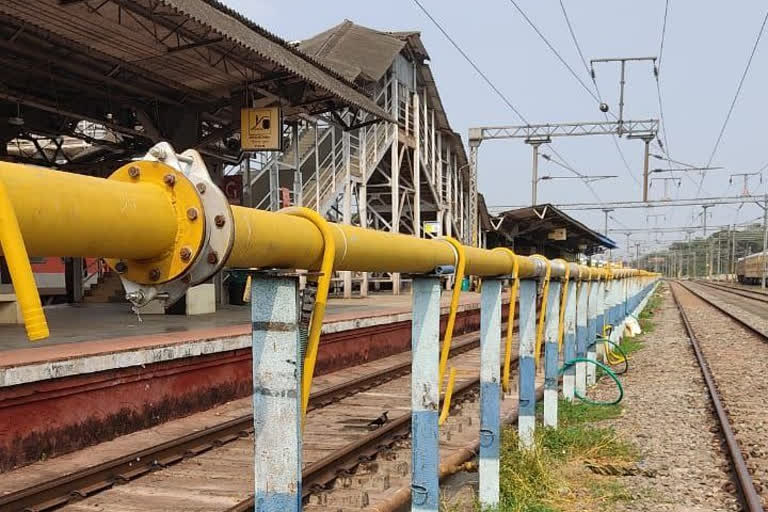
<point x="473" y="215"/>
<point x="569" y="340"/>
<point x="395" y="175"/>
<point x="416" y="167"/>
<point x="247" y="189"/>
<point x="298" y="183"/>
<point x="274" y="186"/>
<point x="646" y="155"/>
<point x="765" y="240"/>
<point x="425" y="394"/>
<point x="276" y="393"/>
<point x="527" y="374"/>
<point x="581" y="337"/>
<point x="490" y="393"/>
<point x="347" y="205"/>
<point x="551" y="364"/>
<point x="535" y="172"/>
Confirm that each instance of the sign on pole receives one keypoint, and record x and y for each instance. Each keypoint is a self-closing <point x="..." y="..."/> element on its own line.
<point x="261" y="129"/>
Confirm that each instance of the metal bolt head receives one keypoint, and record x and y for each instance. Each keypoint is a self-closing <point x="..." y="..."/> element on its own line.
<point x="213" y="257"/>
<point x="192" y="213"/>
<point x="185" y="253"/>
<point x="200" y="188"/>
<point x="154" y="274"/>
<point x="219" y="220"/>
<point x="134" y="172"/>
<point x="169" y="179"/>
<point x="121" y="267"/>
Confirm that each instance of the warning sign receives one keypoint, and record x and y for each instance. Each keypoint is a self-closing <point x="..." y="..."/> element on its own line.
<point x="261" y="129"/>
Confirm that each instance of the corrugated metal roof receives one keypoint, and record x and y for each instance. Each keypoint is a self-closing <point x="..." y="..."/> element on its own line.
<point x="355" y="51"/>
<point x="535" y="221"/>
<point x="228" y="50"/>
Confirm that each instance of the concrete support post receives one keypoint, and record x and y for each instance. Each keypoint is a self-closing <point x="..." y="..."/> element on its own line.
<point x="600" y="312"/>
<point x="490" y="393"/>
<point x="527" y="372"/>
<point x="551" y="363"/>
<point x="276" y="393"/>
<point x="581" y="337"/>
<point x="425" y="394"/>
<point x="594" y="293"/>
<point x="569" y="340"/>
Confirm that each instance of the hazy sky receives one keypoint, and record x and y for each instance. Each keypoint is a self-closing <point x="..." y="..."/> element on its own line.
<point x="705" y="52"/>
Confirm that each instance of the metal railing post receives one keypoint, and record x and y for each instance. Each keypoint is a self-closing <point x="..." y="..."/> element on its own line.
<point x="527" y="374"/>
<point x="490" y="392"/>
<point x="550" y="354"/>
<point x="569" y="340"/>
<point x="276" y="393"/>
<point x="425" y="394"/>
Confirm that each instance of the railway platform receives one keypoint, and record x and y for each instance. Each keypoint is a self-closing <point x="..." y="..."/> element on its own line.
<point x="103" y="373"/>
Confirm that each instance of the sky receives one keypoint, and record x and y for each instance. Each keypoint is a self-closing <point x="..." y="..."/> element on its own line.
<point x="706" y="49"/>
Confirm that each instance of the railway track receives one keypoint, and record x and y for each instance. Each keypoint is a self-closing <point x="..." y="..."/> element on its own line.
<point x="731" y="354"/>
<point x="337" y="440"/>
<point x="742" y="292"/>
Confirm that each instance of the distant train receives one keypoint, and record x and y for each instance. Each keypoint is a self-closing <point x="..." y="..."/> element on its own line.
<point x="749" y="269"/>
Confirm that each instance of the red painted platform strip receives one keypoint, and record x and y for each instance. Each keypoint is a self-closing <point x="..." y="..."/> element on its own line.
<point x="54" y="416"/>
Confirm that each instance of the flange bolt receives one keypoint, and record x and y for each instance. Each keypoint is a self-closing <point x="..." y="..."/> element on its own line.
<point x="185" y="253"/>
<point x="169" y="179"/>
<point x="134" y="172"/>
<point x="154" y="274"/>
<point x="121" y="267"/>
<point x="213" y="257"/>
<point x="219" y="220"/>
<point x="192" y="213"/>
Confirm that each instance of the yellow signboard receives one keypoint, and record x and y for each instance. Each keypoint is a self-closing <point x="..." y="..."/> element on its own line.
<point x="261" y="129"/>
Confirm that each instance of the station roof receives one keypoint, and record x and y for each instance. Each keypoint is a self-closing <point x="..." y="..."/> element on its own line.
<point x="96" y="60"/>
<point x="535" y="226"/>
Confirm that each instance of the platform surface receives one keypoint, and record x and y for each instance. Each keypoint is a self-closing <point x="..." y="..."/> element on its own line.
<point x="95" y="328"/>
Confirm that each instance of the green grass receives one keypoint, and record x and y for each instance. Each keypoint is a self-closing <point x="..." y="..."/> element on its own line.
<point x="550" y="477"/>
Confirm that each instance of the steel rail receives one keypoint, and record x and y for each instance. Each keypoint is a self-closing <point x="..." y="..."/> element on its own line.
<point x="317" y="476"/>
<point x="746" y="486"/>
<point x="89" y="481"/>
<point x="760" y="297"/>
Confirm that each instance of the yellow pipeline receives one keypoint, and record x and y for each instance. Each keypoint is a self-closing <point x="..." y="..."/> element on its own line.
<point x="543" y="313"/>
<point x="92" y="217"/>
<point x="64" y="214"/>
<point x="21" y="271"/>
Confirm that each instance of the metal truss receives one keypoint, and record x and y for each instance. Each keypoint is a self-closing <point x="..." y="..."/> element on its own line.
<point x="633" y="129"/>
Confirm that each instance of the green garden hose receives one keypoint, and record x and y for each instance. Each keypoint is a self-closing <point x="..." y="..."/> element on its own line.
<point x="606" y="369"/>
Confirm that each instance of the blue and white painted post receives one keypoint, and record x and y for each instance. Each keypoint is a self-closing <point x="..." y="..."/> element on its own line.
<point x="276" y="393"/>
<point x="526" y="421"/>
<point x="425" y="394"/>
<point x="600" y="318"/>
<point x="551" y="363"/>
<point x="490" y="393"/>
<point x="581" y="337"/>
<point x="569" y="340"/>
<point x="594" y="293"/>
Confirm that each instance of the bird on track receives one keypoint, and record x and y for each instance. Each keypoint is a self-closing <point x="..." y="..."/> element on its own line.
<point x="380" y="421"/>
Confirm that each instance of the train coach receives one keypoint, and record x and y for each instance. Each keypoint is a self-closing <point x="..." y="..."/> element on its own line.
<point x="749" y="269"/>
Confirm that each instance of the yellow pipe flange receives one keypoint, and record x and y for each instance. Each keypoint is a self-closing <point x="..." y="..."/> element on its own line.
<point x="190" y="223"/>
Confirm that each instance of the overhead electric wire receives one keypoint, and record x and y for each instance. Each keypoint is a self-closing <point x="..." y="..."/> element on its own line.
<point x="735" y="98"/>
<point x="472" y="63"/>
<point x="597" y="90"/>
<point x="498" y="92"/>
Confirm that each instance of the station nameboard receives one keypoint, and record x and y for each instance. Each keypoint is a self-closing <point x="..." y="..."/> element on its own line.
<point x="557" y="234"/>
<point x="261" y="129"/>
